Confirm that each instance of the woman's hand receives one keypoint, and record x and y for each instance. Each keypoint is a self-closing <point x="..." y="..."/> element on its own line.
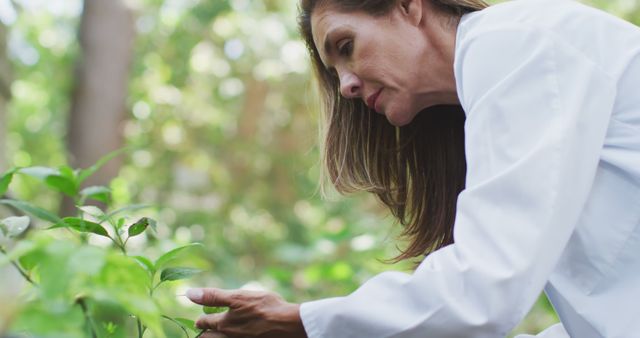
<point x="251" y="314"/>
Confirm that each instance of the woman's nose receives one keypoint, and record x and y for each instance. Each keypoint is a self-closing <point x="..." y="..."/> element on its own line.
<point x="350" y="85"/>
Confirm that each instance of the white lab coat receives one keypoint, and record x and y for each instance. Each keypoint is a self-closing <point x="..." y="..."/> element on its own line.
<point x="551" y="89"/>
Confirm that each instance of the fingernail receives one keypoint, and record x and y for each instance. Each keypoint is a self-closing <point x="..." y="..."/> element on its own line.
<point x="195" y="294"/>
<point x="200" y="322"/>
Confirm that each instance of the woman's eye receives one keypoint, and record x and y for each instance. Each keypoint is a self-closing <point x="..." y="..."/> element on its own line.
<point x="345" y="48"/>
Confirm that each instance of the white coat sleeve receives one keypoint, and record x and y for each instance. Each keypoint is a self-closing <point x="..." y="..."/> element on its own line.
<point x="537" y="114"/>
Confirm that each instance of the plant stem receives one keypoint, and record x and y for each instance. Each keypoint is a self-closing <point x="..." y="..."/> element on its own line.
<point x="20" y="269"/>
<point x="83" y="304"/>
<point x="154" y="288"/>
<point x="117" y="240"/>
<point x="122" y="248"/>
<point x="23" y="273"/>
<point x="140" y="332"/>
<point x="122" y="245"/>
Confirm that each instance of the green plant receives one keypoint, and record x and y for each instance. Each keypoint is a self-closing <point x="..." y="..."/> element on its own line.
<point x="81" y="287"/>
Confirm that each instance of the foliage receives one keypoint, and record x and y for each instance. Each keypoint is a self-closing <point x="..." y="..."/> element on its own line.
<point x="223" y="126"/>
<point x="82" y="288"/>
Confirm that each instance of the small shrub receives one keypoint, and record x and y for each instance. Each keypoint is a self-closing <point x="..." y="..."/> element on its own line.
<point x="79" y="289"/>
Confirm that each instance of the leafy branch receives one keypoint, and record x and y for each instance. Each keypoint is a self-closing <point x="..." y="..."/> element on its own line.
<point x="91" y="220"/>
<point x="19" y="268"/>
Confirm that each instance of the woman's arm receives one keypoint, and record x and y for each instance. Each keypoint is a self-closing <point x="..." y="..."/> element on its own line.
<point x="251" y="314"/>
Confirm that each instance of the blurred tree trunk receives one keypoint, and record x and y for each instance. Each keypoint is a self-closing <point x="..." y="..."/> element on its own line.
<point x="5" y="94"/>
<point x="10" y="283"/>
<point x="98" y="108"/>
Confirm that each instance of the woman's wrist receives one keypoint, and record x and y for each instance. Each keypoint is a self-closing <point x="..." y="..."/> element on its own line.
<point x="292" y="321"/>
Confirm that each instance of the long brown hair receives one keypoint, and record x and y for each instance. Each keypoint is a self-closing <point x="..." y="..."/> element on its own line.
<point x="417" y="170"/>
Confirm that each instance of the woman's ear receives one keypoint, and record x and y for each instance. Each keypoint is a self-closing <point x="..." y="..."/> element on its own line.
<point x="412" y="10"/>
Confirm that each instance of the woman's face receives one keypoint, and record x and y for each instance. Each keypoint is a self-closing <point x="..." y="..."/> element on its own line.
<point x="395" y="63"/>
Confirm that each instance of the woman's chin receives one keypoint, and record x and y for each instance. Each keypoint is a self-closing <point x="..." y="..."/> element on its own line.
<point x="399" y="119"/>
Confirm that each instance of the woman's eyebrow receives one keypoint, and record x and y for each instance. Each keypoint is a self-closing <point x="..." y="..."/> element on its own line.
<point x="328" y="37"/>
<point x="325" y="53"/>
<point x="327" y="43"/>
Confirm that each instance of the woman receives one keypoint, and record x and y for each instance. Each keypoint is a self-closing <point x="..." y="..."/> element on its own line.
<point x="551" y="198"/>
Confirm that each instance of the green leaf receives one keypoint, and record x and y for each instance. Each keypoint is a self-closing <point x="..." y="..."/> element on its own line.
<point x="173" y="254"/>
<point x="39" y="172"/>
<point x="67" y="172"/>
<point x="85" y="173"/>
<point x="145" y="263"/>
<point x="62" y="184"/>
<point x="214" y="309"/>
<point x="82" y="225"/>
<point x="140" y="226"/>
<point x="92" y="211"/>
<point x="87" y="260"/>
<point x="33" y="210"/>
<point x="31" y="259"/>
<point x="187" y="323"/>
<point x="38" y="319"/>
<point x="95" y="189"/>
<point x="153" y="224"/>
<point x="5" y="180"/>
<point x="180" y="323"/>
<point x="98" y="193"/>
<point x="62" y="181"/>
<point x="171" y="274"/>
<point x="123" y="281"/>
<point x="16" y="225"/>
<point x="22" y="248"/>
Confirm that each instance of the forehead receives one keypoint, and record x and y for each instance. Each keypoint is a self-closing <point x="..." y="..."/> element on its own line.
<point x="323" y="20"/>
<point x="327" y="20"/>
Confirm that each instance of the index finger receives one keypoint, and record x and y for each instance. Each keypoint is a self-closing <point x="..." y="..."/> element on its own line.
<point x="211" y="296"/>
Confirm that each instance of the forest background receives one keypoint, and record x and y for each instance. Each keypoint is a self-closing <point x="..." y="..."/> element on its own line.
<point x="215" y="101"/>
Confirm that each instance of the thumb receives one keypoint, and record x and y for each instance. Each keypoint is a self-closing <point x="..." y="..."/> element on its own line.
<point x="210" y="296"/>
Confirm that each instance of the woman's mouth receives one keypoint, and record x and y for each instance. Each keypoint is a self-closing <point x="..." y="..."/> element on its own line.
<point x="372" y="100"/>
